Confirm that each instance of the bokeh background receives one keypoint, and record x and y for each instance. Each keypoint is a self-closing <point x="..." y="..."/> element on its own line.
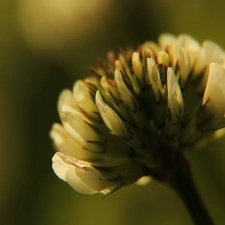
<point x="47" y="44"/>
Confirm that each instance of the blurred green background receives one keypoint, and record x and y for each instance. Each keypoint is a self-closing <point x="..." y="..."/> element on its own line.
<point x="47" y="44"/>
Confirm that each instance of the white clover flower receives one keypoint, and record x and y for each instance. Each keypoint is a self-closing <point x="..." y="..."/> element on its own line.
<point x="138" y="113"/>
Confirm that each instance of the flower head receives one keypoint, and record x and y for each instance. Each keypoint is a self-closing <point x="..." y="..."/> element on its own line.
<point x="138" y="113"/>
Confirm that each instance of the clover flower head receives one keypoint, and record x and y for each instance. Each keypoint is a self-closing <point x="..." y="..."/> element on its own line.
<point x="138" y="113"/>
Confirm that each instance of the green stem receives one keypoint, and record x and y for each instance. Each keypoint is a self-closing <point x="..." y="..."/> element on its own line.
<point x="183" y="184"/>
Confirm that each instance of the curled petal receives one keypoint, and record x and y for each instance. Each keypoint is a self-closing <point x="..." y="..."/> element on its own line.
<point x="80" y="175"/>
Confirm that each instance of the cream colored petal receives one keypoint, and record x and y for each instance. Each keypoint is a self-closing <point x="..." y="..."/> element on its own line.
<point x="65" y="167"/>
<point x="123" y="67"/>
<point x="79" y="174"/>
<point x="152" y="46"/>
<point x="175" y="98"/>
<point x="210" y="52"/>
<point x="214" y="95"/>
<point x="119" y="66"/>
<point x="116" y="151"/>
<point x="93" y="178"/>
<point x="66" y="98"/>
<point x="137" y="67"/>
<point x="154" y="78"/>
<point x="108" y="88"/>
<point x="65" y="144"/>
<point x="175" y="104"/>
<point x="77" y="184"/>
<point x="124" y="92"/>
<point x="85" y="99"/>
<point x="166" y="40"/>
<point x="138" y="115"/>
<point x="181" y="60"/>
<point x="59" y="166"/>
<point x="163" y="58"/>
<point x="110" y="118"/>
<point x="191" y="46"/>
<point x="80" y="129"/>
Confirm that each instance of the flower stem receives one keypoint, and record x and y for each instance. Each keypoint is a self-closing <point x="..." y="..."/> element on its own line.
<point x="184" y="185"/>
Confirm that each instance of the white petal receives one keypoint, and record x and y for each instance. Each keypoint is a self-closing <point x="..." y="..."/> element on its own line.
<point x="181" y="59"/>
<point x="138" y="115"/>
<point x="214" y="96"/>
<point x="79" y="174"/>
<point x="92" y="178"/>
<point x="77" y="184"/>
<point x="64" y="143"/>
<point x="110" y="118"/>
<point x="166" y="40"/>
<point x="154" y="77"/>
<point x="191" y="46"/>
<point x="80" y="129"/>
<point x="137" y="67"/>
<point x="175" y="98"/>
<point x="108" y="88"/>
<point x="65" y="167"/>
<point x="163" y="58"/>
<point x="66" y="98"/>
<point x="210" y="52"/>
<point x="119" y="66"/>
<point x="124" y="92"/>
<point x="149" y="49"/>
<point x="123" y="67"/>
<point x="68" y="146"/>
<point x="85" y="99"/>
<point x="59" y="166"/>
